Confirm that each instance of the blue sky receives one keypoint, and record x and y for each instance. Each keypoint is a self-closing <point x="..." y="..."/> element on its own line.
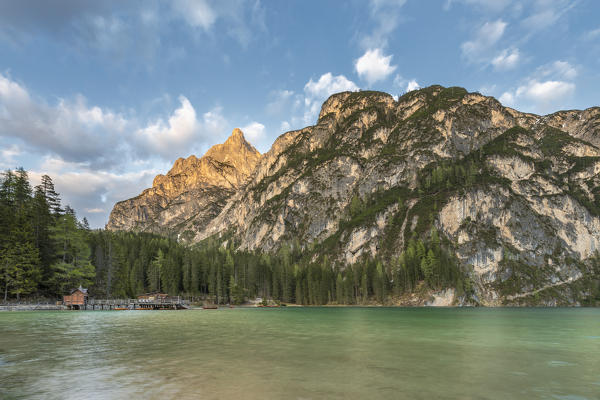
<point x="102" y="96"/>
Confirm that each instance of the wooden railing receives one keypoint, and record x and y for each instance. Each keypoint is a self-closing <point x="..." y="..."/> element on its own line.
<point x="170" y="300"/>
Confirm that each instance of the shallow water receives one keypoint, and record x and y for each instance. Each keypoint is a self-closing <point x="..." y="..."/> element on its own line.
<point x="302" y="353"/>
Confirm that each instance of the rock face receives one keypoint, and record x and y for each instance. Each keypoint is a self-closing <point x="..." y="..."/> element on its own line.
<point x="515" y="196"/>
<point x="192" y="193"/>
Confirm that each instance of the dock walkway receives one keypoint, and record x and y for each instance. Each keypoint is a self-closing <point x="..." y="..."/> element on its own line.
<point x="175" y="303"/>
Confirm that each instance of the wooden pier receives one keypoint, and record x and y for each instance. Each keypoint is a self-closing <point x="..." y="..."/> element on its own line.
<point x="171" y="303"/>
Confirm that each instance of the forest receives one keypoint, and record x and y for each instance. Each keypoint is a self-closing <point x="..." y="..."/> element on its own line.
<point x="45" y="251"/>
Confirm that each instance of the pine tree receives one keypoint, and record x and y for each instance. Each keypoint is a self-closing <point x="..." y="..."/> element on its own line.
<point x="154" y="271"/>
<point x="42" y="224"/>
<point x="364" y="289"/>
<point x="52" y="198"/>
<point x="339" y="288"/>
<point x="72" y="267"/>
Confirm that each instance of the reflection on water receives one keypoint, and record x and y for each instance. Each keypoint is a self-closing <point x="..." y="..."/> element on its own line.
<point x="303" y="353"/>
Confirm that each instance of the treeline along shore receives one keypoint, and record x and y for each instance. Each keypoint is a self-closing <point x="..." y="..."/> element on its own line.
<point x="45" y="251"/>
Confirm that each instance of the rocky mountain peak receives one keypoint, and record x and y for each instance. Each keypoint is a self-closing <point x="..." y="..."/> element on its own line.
<point x="237" y="152"/>
<point x="193" y="190"/>
<point x="237" y="136"/>
<point x="345" y="103"/>
<point x="514" y="198"/>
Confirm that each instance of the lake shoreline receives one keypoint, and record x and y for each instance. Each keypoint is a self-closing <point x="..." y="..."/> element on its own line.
<point x="32" y="308"/>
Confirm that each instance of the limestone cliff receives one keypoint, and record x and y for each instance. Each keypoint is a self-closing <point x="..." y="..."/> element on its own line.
<point x="516" y="195"/>
<point x="192" y="193"/>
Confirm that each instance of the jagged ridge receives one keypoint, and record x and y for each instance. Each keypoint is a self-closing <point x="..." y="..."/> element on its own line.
<point x="192" y="193"/>
<point x="365" y="145"/>
<point x="515" y="196"/>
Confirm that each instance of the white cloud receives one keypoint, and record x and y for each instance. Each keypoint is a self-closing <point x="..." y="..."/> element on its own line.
<point x="386" y="17"/>
<point x="254" y="132"/>
<point x="285" y="126"/>
<point x="546" y="14"/>
<point x="327" y="85"/>
<point x="97" y="137"/>
<point x="181" y="133"/>
<point x="399" y="81"/>
<point x="412" y="85"/>
<point x="374" y="66"/>
<point x="546" y="92"/>
<point x="558" y="70"/>
<point x="506" y="60"/>
<point x="243" y="19"/>
<point x="486" y="37"/>
<point x="93" y="193"/>
<point x="592" y="35"/>
<point x="486" y="5"/>
<point x="175" y="135"/>
<point x="197" y="13"/>
<point x="539" y="96"/>
<point x="70" y="128"/>
<point x="127" y="32"/>
<point x="279" y="101"/>
<point x="301" y="109"/>
<point x="507" y="99"/>
<point x="317" y="92"/>
<point x="549" y="88"/>
<point x="8" y="154"/>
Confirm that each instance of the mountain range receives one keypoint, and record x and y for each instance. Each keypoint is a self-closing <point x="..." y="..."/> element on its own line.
<point x="515" y="197"/>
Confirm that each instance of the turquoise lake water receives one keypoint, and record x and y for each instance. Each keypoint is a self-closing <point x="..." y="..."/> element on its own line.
<point x="302" y="353"/>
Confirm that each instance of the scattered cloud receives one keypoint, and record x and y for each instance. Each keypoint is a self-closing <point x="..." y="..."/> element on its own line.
<point x="93" y="193"/>
<point x="279" y="101"/>
<point x="255" y="132"/>
<point x="301" y="109"/>
<point x="180" y="133"/>
<point x="406" y="85"/>
<point x="546" y="92"/>
<point x="385" y="14"/>
<point x="374" y="66"/>
<point x="507" y="98"/>
<point x="197" y="13"/>
<point x="412" y="85"/>
<point x="317" y="92"/>
<point x="507" y="59"/>
<point x="126" y="31"/>
<point x="70" y="128"/>
<point x="558" y="69"/>
<point x="592" y="35"/>
<point x="549" y="88"/>
<point x="546" y="13"/>
<point x="477" y="49"/>
<point x="285" y="126"/>
<point x="494" y="6"/>
<point x="241" y="18"/>
<point x="327" y="85"/>
<point x="539" y="96"/>
<point x="7" y="156"/>
<point x="100" y="138"/>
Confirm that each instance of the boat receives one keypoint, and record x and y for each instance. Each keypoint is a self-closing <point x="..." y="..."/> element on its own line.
<point x="210" y="307"/>
<point x="120" y="308"/>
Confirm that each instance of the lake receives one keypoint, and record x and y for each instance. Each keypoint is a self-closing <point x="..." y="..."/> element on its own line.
<point x="302" y="353"/>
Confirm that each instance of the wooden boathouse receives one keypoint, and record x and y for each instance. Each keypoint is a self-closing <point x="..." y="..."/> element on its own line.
<point x="77" y="300"/>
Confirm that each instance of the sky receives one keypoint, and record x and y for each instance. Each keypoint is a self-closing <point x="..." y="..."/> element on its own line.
<point x="103" y="96"/>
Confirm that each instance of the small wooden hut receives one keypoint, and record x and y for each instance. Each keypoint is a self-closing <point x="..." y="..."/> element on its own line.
<point x="77" y="299"/>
